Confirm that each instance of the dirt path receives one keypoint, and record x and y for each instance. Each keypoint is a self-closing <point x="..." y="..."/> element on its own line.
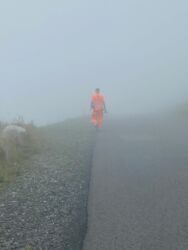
<point x="139" y="187"/>
<point x="46" y="208"/>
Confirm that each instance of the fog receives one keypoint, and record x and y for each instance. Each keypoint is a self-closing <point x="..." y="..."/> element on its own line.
<point x="53" y="54"/>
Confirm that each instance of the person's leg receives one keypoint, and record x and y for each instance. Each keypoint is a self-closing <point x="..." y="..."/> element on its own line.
<point x="100" y="119"/>
<point x="94" y="118"/>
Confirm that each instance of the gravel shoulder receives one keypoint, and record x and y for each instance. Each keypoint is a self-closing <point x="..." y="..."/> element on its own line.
<point x="46" y="207"/>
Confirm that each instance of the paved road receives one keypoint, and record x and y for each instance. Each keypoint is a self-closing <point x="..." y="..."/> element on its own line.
<point x="139" y="187"/>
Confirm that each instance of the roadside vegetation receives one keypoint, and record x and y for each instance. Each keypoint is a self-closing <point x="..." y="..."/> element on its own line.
<point x="32" y="144"/>
<point x="53" y="187"/>
<point x="76" y="136"/>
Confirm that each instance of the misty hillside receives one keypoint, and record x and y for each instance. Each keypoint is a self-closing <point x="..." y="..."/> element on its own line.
<point x="182" y="109"/>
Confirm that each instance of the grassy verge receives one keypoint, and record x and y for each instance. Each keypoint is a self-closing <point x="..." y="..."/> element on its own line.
<point x="72" y="139"/>
<point x="9" y="170"/>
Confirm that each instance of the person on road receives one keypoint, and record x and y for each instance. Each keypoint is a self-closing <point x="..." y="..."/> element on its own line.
<point x="98" y="108"/>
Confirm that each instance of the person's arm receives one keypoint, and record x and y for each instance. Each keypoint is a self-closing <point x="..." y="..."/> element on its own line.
<point x="105" y="109"/>
<point x="92" y="105"/>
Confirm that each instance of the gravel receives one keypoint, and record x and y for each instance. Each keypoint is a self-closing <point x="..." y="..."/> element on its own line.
<point x="46" y="207"/>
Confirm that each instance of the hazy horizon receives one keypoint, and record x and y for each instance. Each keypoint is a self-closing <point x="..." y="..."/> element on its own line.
<point x="54" y="54"/>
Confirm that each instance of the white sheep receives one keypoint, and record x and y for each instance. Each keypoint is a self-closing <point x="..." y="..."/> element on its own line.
<point x="12" y="136"/>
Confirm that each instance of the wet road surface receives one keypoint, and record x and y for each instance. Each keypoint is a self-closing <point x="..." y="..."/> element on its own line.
<point x="139" y="186"/>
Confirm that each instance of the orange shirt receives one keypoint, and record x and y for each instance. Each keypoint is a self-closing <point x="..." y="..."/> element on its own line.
<point x="98" y="102"/>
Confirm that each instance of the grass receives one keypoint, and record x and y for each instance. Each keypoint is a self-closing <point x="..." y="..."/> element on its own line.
<point x="9" y="170"/>
<point x="72" y="139"/>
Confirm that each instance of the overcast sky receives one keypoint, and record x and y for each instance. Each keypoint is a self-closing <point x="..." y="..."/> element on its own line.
<point x="54" y="53"/>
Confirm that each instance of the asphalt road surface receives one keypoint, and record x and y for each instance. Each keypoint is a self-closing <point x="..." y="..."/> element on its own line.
<point x="139" y="186"/>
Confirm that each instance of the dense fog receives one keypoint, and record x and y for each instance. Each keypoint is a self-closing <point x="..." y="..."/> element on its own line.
<point x="53" y="54"/>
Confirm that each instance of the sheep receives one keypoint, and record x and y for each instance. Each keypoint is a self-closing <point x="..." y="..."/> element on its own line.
<point x="12" y="136"/>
